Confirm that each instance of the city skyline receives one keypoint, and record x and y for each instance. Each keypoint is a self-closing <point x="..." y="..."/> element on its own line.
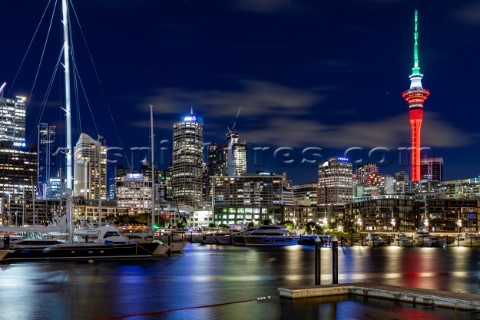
<point x="304" y="75"/>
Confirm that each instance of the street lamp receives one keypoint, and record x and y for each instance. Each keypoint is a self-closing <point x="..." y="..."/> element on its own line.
<point x="359" y="223"/>
<point x="425" y="223"/>
<point x="393" y="222"/>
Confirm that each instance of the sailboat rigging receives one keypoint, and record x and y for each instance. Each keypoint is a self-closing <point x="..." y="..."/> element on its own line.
<point x="114" y="245"/>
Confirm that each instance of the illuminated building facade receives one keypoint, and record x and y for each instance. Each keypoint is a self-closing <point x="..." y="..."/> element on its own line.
<point x="90" y="169"/>
<point x="17" y="179"/>
<point x="134" y="194"/>
<point x="46" y="147"/>
<point x="363" y="171"/>
<point x="335" y="182"/>
<point x="305" y="194"/>
<point x="416" y="97"/>
<point x="217" y="159"/>
<point x="384" y="213"/>
<point x="12" y="120"/>
<point x="187" y="158"/>
<point x="250" y="198"/>
<point x="236" y="155"/>
<point x="432" y="169"/>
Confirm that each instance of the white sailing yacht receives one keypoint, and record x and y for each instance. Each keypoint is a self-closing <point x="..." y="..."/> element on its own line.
<point x="107" y="250"/>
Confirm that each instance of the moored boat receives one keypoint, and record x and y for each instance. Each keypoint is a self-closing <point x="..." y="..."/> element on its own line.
<point x="468" y="240"/>
<point x="270" y="235"/>
<point x="79" y="251"/>
<point x="402" y="240"/>
<point x="374" y="240"/>
<point x="422" y="239"/>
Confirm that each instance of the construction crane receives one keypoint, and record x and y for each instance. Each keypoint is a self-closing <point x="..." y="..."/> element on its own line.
<point x="234" y="121"/>
<point x="1" y="88"/>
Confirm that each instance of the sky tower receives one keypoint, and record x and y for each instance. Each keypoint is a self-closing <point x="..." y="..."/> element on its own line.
<point x="415" y="97"/>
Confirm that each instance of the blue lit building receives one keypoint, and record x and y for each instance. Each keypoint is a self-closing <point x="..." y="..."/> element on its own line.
<point x="187" y="160"/>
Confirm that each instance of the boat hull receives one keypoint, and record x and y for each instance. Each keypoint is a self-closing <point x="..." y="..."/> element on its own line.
<point x="177" y="246"/>
<point x="82" y="252"/>
<point x="270" y="241"/>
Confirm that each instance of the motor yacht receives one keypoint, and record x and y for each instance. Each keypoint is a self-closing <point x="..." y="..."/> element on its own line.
<point x="401" y="240"/>
<point x="271" y="235"/>
<point x="374" y="240"/>
<point x="422" y="239"/>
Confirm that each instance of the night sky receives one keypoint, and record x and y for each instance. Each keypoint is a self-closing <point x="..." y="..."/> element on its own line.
<point x="321" y="75"/>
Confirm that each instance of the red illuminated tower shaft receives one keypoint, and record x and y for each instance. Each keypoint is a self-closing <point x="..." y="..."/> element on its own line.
<point x="415" y="97"/>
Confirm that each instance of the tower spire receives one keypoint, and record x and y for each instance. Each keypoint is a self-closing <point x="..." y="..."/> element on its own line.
<point x="416" y="65"/>
<point x="416" y="76"/>
<point x="416" y="97"/>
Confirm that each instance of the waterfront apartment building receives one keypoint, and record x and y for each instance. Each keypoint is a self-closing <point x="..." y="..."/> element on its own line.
<point x="453" y="215"/>
<point x="250" y="198"/>
<point x="12" y="120"/>
<point x="187" y="160"/>
<point x="432" y="169"/>
<point x="90" y="169"/>
<point x="46" y="147"/>
<point x="389" y="213"/>
<point x="335" y="182"/>
<point x="18" y="176"/>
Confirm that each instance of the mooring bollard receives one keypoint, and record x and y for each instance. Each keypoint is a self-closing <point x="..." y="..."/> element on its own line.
<point x="334" y="260"/>
<point x="318" y="260"/>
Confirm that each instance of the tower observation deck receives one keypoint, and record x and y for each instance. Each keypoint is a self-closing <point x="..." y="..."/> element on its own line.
<point x="416" y="97"/>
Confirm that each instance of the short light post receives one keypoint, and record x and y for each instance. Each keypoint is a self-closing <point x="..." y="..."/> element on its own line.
<point x="318" y="260"/>
<point x="334" y="260"/>
<point x="359" y="224"/>
<point x="459" y="230"/>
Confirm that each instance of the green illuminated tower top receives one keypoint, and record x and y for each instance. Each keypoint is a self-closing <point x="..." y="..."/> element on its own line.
<point x="416" y="76"/>
<point x="416" y="66"/>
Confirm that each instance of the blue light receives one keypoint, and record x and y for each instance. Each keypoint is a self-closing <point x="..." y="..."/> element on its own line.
<point x="190" y="118"/>
<point x="342" y="159"/>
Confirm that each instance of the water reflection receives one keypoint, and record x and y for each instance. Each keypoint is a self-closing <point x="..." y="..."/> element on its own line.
<point x="213" y="282"/>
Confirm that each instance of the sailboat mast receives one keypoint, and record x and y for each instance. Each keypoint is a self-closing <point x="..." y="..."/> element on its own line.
<point x="66" y="64"/>
<point x="68" y="120"/>
<point x="153" y="168"/>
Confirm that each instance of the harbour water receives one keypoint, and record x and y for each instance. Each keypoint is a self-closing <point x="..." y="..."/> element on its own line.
<point x="228" y="282"/>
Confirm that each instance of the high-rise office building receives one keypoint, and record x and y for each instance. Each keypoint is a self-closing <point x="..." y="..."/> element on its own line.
<point x="432" y="169"/>
<point x="217" y="159"/>
<point x="46" y="147"/>
<point x="90" y="168"/>
<point x="187" y="160"/>
<point x="236" y="155"/>
<point x="17" y="181"/>
<point x="335" y="182"/>
<point x="416" y="97"/>
<point x="12" y="120"/>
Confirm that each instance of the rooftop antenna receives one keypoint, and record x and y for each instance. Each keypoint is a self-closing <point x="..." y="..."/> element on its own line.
<point x="234" y="121"/>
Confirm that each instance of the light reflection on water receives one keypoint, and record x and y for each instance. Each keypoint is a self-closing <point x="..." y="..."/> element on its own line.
<point x="210" y="275"/>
